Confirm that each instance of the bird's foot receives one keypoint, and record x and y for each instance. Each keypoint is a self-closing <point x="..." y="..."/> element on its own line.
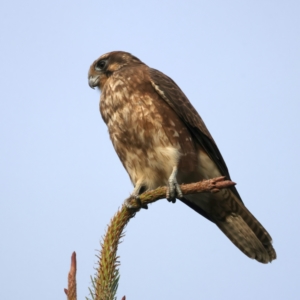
<point x="134" y="202"/>
<point x="173" y="189"/>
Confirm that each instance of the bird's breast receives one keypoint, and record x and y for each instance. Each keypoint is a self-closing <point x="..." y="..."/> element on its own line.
<point x="147" y="135"/>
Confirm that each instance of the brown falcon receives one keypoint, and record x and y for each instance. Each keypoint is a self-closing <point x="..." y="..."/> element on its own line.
<point x="161" y="140"/>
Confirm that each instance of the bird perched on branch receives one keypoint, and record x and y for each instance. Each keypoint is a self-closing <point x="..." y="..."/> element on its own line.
<point x="161" y="140"/>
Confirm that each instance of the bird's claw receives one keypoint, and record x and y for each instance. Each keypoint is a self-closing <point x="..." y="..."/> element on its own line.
<point x="138" y="203"/>
<point x="173" y="191"/>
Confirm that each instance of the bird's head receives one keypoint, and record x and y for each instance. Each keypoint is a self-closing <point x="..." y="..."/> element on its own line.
<point x="103" y="67"/>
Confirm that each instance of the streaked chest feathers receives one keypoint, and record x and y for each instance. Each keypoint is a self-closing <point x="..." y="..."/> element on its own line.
<point x="147" y="135"/>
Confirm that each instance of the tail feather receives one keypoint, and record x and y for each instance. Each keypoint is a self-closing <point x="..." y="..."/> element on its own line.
<point x="237" y="223"/>
<point x="260" y="232"/>
<point x="250" y="229"/>
<point x="238" y="231"/>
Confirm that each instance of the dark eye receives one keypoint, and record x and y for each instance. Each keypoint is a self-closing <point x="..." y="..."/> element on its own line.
<point x="100" y="65"/>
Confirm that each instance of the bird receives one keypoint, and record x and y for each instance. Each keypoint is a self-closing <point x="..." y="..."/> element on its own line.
<point x="161" y="140"/>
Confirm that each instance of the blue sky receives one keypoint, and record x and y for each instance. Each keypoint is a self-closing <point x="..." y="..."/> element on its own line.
<point x="61" y="181"/>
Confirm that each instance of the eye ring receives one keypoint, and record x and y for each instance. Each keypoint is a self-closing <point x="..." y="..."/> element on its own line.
<point x="100" y="65"/>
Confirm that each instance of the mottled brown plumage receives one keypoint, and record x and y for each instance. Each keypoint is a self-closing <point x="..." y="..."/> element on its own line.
<point x="161" y="140"/>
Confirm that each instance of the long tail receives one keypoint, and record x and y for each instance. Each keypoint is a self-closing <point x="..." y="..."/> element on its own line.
<point x="236" y="222"/>
<point x="249" y="236"/>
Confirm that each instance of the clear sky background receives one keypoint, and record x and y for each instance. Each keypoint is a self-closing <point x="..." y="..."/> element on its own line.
<point x="61" y="181"/>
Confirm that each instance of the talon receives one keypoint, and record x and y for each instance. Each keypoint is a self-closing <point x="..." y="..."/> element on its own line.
<point x="178" y="190"/>
<point x="138" y="189"/>
<point x="170" y="194"/>
<point x="138" y="202"/>
<point x="173" y="190"/>
<point x="144" y="206"/>
<point x="136" y="205"/>
<point x="128" y="204"/>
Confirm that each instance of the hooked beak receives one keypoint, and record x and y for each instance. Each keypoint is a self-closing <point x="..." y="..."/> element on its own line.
<point x="94" y="81"/>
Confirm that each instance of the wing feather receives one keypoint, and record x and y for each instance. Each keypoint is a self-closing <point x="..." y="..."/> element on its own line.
<point x="171" y="93"/>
